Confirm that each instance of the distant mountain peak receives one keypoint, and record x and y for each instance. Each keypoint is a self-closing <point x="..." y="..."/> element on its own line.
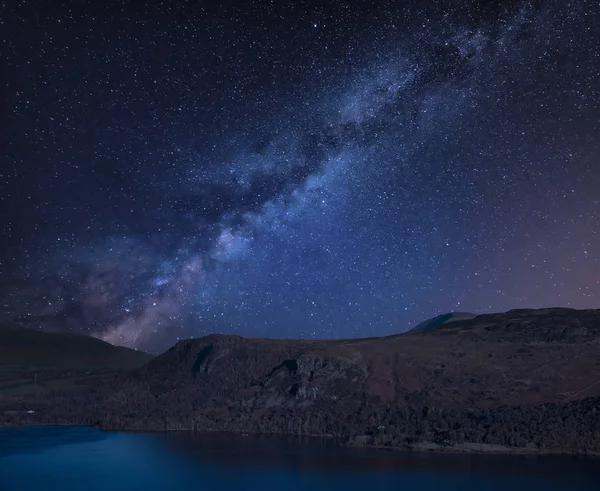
<point x="441" y="319"/>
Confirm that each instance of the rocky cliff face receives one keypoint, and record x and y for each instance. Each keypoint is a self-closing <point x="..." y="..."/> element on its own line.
<point x="262" y="373"/>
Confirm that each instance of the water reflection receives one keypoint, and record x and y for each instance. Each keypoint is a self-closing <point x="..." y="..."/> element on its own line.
<point x="36" y="438"/>
<point x="71" y="458"/>
<point x="316" y="454"/>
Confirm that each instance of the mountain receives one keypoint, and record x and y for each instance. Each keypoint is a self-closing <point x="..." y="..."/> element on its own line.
<point x="33" y="349"/>
<point x="522" y="356"/>
<point x="438" y="320"/>
<point x="514" y="381"/>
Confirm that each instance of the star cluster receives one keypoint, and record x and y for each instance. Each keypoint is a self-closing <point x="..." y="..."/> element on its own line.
<point x="295" y="169"/>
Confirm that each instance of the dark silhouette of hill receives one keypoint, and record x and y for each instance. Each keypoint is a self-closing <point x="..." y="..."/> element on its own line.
<point x="515" y="381"/>
<point x="34" y="349"/>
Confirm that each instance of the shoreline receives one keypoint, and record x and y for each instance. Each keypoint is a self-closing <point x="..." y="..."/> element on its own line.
<point x="466" y="448"/>
<point x="469" y="448"/>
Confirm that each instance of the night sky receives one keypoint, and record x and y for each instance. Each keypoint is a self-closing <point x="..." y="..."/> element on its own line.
<point x="295" y="169"/>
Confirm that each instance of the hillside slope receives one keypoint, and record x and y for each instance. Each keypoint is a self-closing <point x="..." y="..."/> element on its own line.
<point x="29" y="348"/>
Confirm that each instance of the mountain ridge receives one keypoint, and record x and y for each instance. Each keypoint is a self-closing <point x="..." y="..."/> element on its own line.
<point x="524" y="379"/>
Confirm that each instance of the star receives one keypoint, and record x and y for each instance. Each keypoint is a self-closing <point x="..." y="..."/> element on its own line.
<point x="172" y="172"/>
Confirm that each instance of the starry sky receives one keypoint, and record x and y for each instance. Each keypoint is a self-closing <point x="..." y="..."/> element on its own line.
<point x="297" y="169"/>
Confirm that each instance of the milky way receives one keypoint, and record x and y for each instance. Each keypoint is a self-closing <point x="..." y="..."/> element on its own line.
<point x="172" y="170"/>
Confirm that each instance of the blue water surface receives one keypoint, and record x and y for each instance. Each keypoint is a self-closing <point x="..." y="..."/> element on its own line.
<point x="87" y="459"/>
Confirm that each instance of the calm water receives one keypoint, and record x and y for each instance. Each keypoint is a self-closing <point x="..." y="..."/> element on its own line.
<point x="72" y="458"/>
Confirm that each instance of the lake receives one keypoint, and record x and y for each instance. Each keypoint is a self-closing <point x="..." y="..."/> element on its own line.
<point x="63" y="458"/>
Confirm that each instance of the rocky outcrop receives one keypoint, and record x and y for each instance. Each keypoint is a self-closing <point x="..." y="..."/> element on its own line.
<point x="309" y="378"/>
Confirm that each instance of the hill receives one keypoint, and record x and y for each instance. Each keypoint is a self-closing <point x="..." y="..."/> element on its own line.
<point x="519" y="357"/>
<point x="29" y="348"/>
<point x="438" y="320"/>
<point x="516" y="381"/>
